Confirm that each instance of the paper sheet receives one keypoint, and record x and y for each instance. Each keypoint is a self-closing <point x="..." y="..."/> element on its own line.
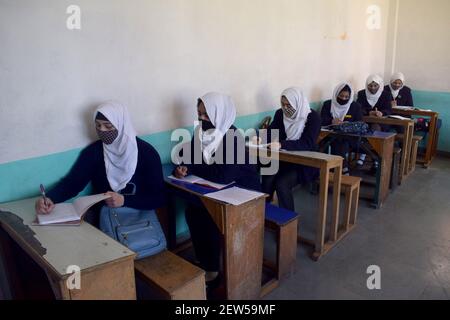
<point x="234" y="195"/>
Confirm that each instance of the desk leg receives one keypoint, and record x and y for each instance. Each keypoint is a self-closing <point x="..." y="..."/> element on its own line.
<point x="322" y="214"/>
<point x="433" y="129"/>
<point x="243" y="233"/>
<point x="407" y="138"/>
<point x="410" y="150"/>
<point x="336" y="197"/>
<point x="432" y="143"/>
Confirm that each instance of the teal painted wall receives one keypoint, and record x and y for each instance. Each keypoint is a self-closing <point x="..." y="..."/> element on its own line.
<point x="21" y="179"/>
<point x="440" y="102"/>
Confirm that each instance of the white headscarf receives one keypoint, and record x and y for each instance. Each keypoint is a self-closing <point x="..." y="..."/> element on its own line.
<point x="340" y="111"/>
<point x="372" y="99"/>
<point x="222" y="113"/>
<point x="121" y="155"/>
<point x="295" y="125"/>
<point x="396" y="76"/>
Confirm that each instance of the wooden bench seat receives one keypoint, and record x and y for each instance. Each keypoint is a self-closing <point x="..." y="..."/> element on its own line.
<point x="284" y="223"/>
<point x="170" y="277"/>
<point x="414" y="149"/>
<point x="395" y="172"/>
<point x="350" y="186"/>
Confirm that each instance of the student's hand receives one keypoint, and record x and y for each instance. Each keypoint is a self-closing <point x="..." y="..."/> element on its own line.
<point x="274" y="146"/>
<point x="180" y="172"/>
<point x="337" y="121"/>
<point x="394" y="103"/>
<point x="116" y="201"/>
<point x="41" y="208"/>
<point x="378" y="114"/>
<point x="256" y="140"/>
<point x="373" y="113"/>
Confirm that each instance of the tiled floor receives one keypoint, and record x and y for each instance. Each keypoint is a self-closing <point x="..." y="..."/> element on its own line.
<point x="408" y="238"/>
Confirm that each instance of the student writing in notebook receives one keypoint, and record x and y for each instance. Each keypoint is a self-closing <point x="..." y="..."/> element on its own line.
<point x="299" y="127"/>
<point x="376" y="102"/>
<point x="215" y="136"/>
<point x="341" y="108"/>
<point x="401" y="94"/>
<point x="119" y="163"/>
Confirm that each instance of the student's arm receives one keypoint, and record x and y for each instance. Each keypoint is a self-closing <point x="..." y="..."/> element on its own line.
<point x="219" y="173"/>
<point x="385" y="103"/>
<point x="356" y="112"/>
<point x="362" y="100"/>
<point x="78" y="177"/>
<point x="308" y="140"/>
<point x="409" y="98"/>
<point x="325" y="114"/>
<point x="275" y="125"/>
<point x="150" y="192"/>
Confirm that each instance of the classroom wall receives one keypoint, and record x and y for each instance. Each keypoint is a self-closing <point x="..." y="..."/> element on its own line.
<point x="422" y="46"/>
<point x="158" y="56"/>
<point x="420" y="49"/>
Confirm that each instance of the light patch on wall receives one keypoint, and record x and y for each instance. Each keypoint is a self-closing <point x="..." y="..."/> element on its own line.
<point x="335" y="28"/>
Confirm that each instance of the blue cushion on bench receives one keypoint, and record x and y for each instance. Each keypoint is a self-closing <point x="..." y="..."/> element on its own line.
<point x="279" y="215"/>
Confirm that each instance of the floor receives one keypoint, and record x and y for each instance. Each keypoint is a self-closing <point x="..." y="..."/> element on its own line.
<point x="408" y="238"/>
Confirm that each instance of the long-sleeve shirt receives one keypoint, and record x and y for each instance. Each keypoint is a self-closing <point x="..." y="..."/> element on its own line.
<point x="306" y="142"/>
<point x="404" y="97"/>
<point x="354" y="113"/>
<point x="383" y="104"/>
<point x="90" y="167"/>
<point x="242" y="172"/>
<point x="308" y="139"/>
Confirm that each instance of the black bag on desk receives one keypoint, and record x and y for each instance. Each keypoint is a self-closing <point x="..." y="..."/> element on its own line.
<point x="358" y="127"/>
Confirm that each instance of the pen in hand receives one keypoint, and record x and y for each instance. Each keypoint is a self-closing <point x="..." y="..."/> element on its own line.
<point x="43" y="194"/>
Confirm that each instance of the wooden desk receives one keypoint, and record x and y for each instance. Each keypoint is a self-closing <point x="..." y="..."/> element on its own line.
<point x="242" y="228"/>
<point x="432" y="139"/>
<point x="324" y="163"/>
<point x="107" y="267"/>
<point x="383" y="144"/>
<point x="408" y="133"/>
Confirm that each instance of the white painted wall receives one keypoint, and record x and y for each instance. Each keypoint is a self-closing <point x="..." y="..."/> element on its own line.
<point x="158" y="56"/>
<point x="422" y="48"/>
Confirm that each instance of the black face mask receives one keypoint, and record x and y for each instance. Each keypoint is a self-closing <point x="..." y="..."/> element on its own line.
<point x="108" y="137"/>
<point x="206" y="125"/>
<point x="342" y="102"/>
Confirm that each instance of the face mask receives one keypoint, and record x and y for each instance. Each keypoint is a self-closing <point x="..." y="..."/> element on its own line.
<point x="289" y="111"/>
<point x="207" y="125"/>
<point x="108" y="137"/>
<point x="342" y="102"/>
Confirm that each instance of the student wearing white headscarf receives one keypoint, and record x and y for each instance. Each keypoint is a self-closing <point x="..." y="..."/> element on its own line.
<point x="298" y="127"/>
<point x="374" y="100"/>
<point x="341" y="108"/>
<point x="401" y="94"/>
<point x="119" y="163"/>
<point x="213" y="139"/>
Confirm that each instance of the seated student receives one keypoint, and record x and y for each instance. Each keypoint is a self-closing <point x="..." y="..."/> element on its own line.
<point x="373" y="99"/>
<point x="217" y="113"/>
<point x="299" y="128"/>
<point x="401" y="94"/>
<point x="341" y="108"/>
<point x="375" y="102"/>
<point x="120" y="164"/>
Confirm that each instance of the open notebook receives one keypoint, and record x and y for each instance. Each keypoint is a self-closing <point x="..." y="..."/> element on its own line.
<point x="393" y="116"/>
<point x="70" y="213"/>
<point x="200" y="181"/>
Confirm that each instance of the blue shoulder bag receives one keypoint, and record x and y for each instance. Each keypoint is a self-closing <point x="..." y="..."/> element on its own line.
<point x="139" y="230"/>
